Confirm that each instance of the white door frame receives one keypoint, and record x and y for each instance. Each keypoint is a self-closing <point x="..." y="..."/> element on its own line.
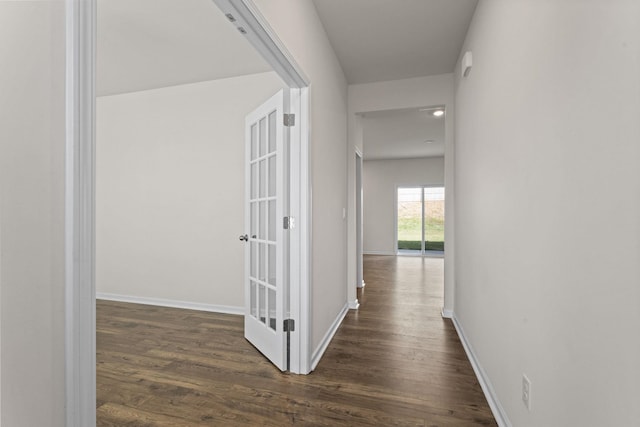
<point x="80" y="324"/>
<point x="426" y="99"/>
<point x="359" y="221"/>
<point x="247" y="18"/>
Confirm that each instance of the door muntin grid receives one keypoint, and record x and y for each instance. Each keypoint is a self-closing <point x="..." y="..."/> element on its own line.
<point x="263" y="221"/>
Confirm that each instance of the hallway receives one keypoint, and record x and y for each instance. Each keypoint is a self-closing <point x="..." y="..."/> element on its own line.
<point x="395" y="361"/>
<point x="404" y="346"/>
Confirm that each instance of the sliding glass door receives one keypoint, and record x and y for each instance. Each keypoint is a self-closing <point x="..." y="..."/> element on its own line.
<point x="420" y="220"/>
<point x="410" y="220"/>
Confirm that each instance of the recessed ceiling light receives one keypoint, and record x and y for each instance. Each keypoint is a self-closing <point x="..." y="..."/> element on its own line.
<point x="438" y="113"/>
<point x="429" y="141"/>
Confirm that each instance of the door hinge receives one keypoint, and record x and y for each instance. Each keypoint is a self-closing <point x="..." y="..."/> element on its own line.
<point x="289" y="119"/>
<point x="288" y="222"/>
<point x="289" y="325"/>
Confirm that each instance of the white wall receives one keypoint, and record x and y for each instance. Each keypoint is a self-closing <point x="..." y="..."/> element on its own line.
<point x="548" y="207"/>
<point x="170" y="190"/>
<point x="381" y="178"/>
<point x="302" y="33"/>
<point x="32" y="144"/>
<point x="394" y="95"/>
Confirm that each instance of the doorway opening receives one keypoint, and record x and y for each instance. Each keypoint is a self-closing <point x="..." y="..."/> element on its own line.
<point x="402" y="148"/>
<point x="420" y="221"/>
<point x="359" y="225"/>
<point x="81" y="195"/>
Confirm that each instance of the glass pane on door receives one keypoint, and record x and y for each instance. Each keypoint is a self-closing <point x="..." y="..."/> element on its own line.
<point x="263" y="221"/>
<point x="265" y="208"/>
<point x="434" y="219"/>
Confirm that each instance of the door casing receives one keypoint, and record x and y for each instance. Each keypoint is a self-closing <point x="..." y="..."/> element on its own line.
<point x="359" y="223"/>
<point x="80" y="324"/>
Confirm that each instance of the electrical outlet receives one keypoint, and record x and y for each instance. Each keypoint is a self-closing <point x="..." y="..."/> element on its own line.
<point x="526" y="391"/>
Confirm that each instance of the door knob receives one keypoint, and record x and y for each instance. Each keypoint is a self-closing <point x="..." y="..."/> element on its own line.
<point x="244" y="237"/>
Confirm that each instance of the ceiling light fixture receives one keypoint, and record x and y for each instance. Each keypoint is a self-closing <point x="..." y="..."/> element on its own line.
<point x="429" y="141"/>
<point x="435" y="111"/>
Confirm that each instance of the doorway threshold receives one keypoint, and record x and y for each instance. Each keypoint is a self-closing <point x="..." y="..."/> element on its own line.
<point x="427" y="254"/>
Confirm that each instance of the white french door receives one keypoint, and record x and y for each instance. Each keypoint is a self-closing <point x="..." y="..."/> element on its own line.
<point x="265" y="209"/>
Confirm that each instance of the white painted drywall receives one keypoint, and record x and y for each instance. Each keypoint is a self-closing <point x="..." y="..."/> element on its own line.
<point x="394" y="95"/>
<point x="380" y="180"/>
<point x="548" y="207"/>
<point x="150" y="44"/>
<point x="302" y="33"/>
<point x="32" y="140"/>
<point x="170" y="190"/>
<point x="0" y="304"/>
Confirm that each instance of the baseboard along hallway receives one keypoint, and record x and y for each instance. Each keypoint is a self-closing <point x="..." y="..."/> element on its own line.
<point x="395" y="361"/>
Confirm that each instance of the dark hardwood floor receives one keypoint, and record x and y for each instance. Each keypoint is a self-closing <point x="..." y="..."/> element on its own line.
<point x="394" y="362"/>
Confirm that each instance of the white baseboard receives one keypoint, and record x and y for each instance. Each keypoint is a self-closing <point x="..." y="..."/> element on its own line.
<point x="354" y="305"/>
<point x="391" y="253"/>
<point x="226" y="309"/>
<point x="319" y="352"/>
<point x="447" y="314"/>
<point x="361" y="285"/>
<point x="496" y="408"/>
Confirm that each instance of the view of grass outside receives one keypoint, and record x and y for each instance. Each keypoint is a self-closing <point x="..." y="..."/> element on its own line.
<point x="410" y="218"/>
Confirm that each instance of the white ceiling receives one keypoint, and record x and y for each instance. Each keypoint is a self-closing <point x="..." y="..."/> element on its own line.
<point x="147" y="44"/>
<point x="401" y="134"/>
<point x="377" y="40"/>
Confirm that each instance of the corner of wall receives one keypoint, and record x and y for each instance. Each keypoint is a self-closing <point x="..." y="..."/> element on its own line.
<point x="485" y="383"/>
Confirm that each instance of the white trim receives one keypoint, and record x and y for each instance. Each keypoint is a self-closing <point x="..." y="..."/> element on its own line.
<point x="300" y="236"/>
<point x="322" y="347"/>
<point x="260" y="34"/>
<point x="0" y="310"/>
<point x="306" y="231"/>
<point x="266" y="42"/>
<point x="447" y="314"/>
<point x="161" y="302"/>
<point x="354" y="305"/>
<point x="390" y="253"/>
<point x="496" y="408"/>
<point x="431" y="98"/>
<point x="278" y="55"/>
<point x="80" y="349"/>
<point x="359" y="220"/>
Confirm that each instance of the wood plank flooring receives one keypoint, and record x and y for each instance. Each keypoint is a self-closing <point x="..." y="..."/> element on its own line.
<point x="394" y="362"/>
